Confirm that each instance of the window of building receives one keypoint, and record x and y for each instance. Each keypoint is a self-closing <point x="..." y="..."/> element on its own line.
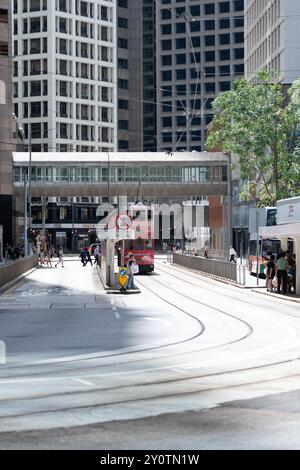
<point x="224" y="86"/>
<point x="210" y="40"/>
<point x="35" y="109"/>
<point x="239" y="22"/>
<point x="36" y="130"/>
<point x="166" y="75"/>
<point x="3" y="15"/>
<point x="181" y="121"/>
<point x="35" y="25"/>
<point x="166" y="14"/>
<point x="238" y="5"/>
<point x="167" y="121"/>
<point x="210" y="56"/>
<point x="35" y="88"/>
<point x="224" y="38"/>
<point x="123" y="124"/>
<point x="123" y="63"/>
<point x="224" y="23"/>
<point x="210" y="87"/>
<point x="122" y="22"/>
<point x="224" y="54"/>
<point x="123" y="84"/>
<point x="224" y="70"/>
<point x="209" y="25"/>
<point x="209" y="9"/>
<point x="181" y="74"/>
<point x="166" y="44"/>
<point x="195" y="10"/>
<point x="166" y="28"/>
<point x="195" y="26"/>
<point x="238" y="37"/>
<point x="180" y="59"/>
<point x="123" y="104"/>
<point x="123" y="43"/>
<point x="224" y="7"/>
<point x="239" y="53"/>
<point x="180" y="28"/>
<point x="180" y="43"/>
<point x="166" y="60"/>
<point x="34" y="5"/>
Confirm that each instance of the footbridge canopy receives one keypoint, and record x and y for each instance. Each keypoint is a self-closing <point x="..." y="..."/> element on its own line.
<point x="122" y="174"/>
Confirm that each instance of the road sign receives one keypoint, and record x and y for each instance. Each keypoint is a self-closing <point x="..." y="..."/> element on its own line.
<point x="123" y="277"/>
<point x="123" y="221"/>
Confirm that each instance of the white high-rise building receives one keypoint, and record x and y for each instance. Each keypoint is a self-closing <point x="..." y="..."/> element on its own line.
<point x="64" y="73"/>
<point x="272" y="38"/>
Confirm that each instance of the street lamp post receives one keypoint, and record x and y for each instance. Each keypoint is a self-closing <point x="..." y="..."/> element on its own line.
<point x="21" y="134"/>
<point x="229" y="195"/>
<point x="29" y="178"/>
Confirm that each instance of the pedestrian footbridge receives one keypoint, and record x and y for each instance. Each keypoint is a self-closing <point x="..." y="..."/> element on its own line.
<point x="121" y="174"/>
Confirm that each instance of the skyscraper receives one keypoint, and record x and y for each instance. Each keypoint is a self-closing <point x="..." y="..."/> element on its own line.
<point x="64" y="73"/>
<point x="199" y="52"/>
<point x="272" y="38"/>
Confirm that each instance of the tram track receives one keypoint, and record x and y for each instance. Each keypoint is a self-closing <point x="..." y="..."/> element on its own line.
<point x="141" y="378"/>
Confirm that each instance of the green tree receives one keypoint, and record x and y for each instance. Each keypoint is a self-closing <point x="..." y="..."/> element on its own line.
<point x="257" y="123"/>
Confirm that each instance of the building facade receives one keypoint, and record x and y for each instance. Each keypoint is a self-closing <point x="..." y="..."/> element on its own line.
<point x="199" y="53"/>
<point x="6" y="122"/>
<point x="272" y="38"/>
<point x="64" y="74"/>
<point x="130" y="82"/>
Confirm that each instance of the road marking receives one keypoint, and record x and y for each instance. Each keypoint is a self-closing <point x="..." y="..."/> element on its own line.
<point x="117" y="315"/>
<point x="84" y="382"/>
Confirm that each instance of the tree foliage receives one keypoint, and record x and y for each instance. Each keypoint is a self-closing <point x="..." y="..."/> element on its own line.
<point x="259" y="124"/>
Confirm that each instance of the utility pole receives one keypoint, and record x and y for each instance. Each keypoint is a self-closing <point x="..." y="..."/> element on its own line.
<point x="29" y="177"/>
<point x="25" y="215"/>
<point x="229" y="196"/>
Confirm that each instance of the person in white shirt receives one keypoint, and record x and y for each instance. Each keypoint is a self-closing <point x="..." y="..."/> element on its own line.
<point x="60" y="258"/>
<point x="232" y="255"/>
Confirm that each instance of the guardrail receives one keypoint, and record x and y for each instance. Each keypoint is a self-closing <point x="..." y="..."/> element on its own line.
<point x="12" y="271"/>
<point x="218" y="268"/>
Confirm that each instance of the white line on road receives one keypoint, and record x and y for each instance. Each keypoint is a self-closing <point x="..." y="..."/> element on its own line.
<point x="84" y="382"/>
<point x="117" y="315"/>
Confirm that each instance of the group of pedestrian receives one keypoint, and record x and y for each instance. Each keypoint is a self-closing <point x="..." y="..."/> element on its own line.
<point x="281" y="274"/>
<point x="85" y="256"/>
<point x="45" y="257"/>
<point x="14" y="252"/>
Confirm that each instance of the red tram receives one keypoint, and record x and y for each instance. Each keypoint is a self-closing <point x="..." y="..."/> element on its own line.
<point x="141" y="219"/>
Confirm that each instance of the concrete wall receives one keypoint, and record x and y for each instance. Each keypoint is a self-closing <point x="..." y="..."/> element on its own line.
<point x="13" y="270"/>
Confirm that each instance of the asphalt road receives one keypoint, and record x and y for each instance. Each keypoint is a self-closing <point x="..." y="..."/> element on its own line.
<point x="189" y="363"/>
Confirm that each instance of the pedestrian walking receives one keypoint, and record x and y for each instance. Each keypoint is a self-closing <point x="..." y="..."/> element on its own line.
<point x="281" y="272"/>
<point x="48" y="259"/>
<point x="82" y="256"/>
<point x="60" y="258"/>
<point x="232" y="255"/>
<point x="131" y="270"/>
<point x="271" y="269"/>
<point x="206" y="251"/>
<point x="88" y="258"/>
<point x="96" y="255"/>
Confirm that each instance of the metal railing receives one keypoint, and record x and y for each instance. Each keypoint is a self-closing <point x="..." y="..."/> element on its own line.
<point x="217" y="268"/>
